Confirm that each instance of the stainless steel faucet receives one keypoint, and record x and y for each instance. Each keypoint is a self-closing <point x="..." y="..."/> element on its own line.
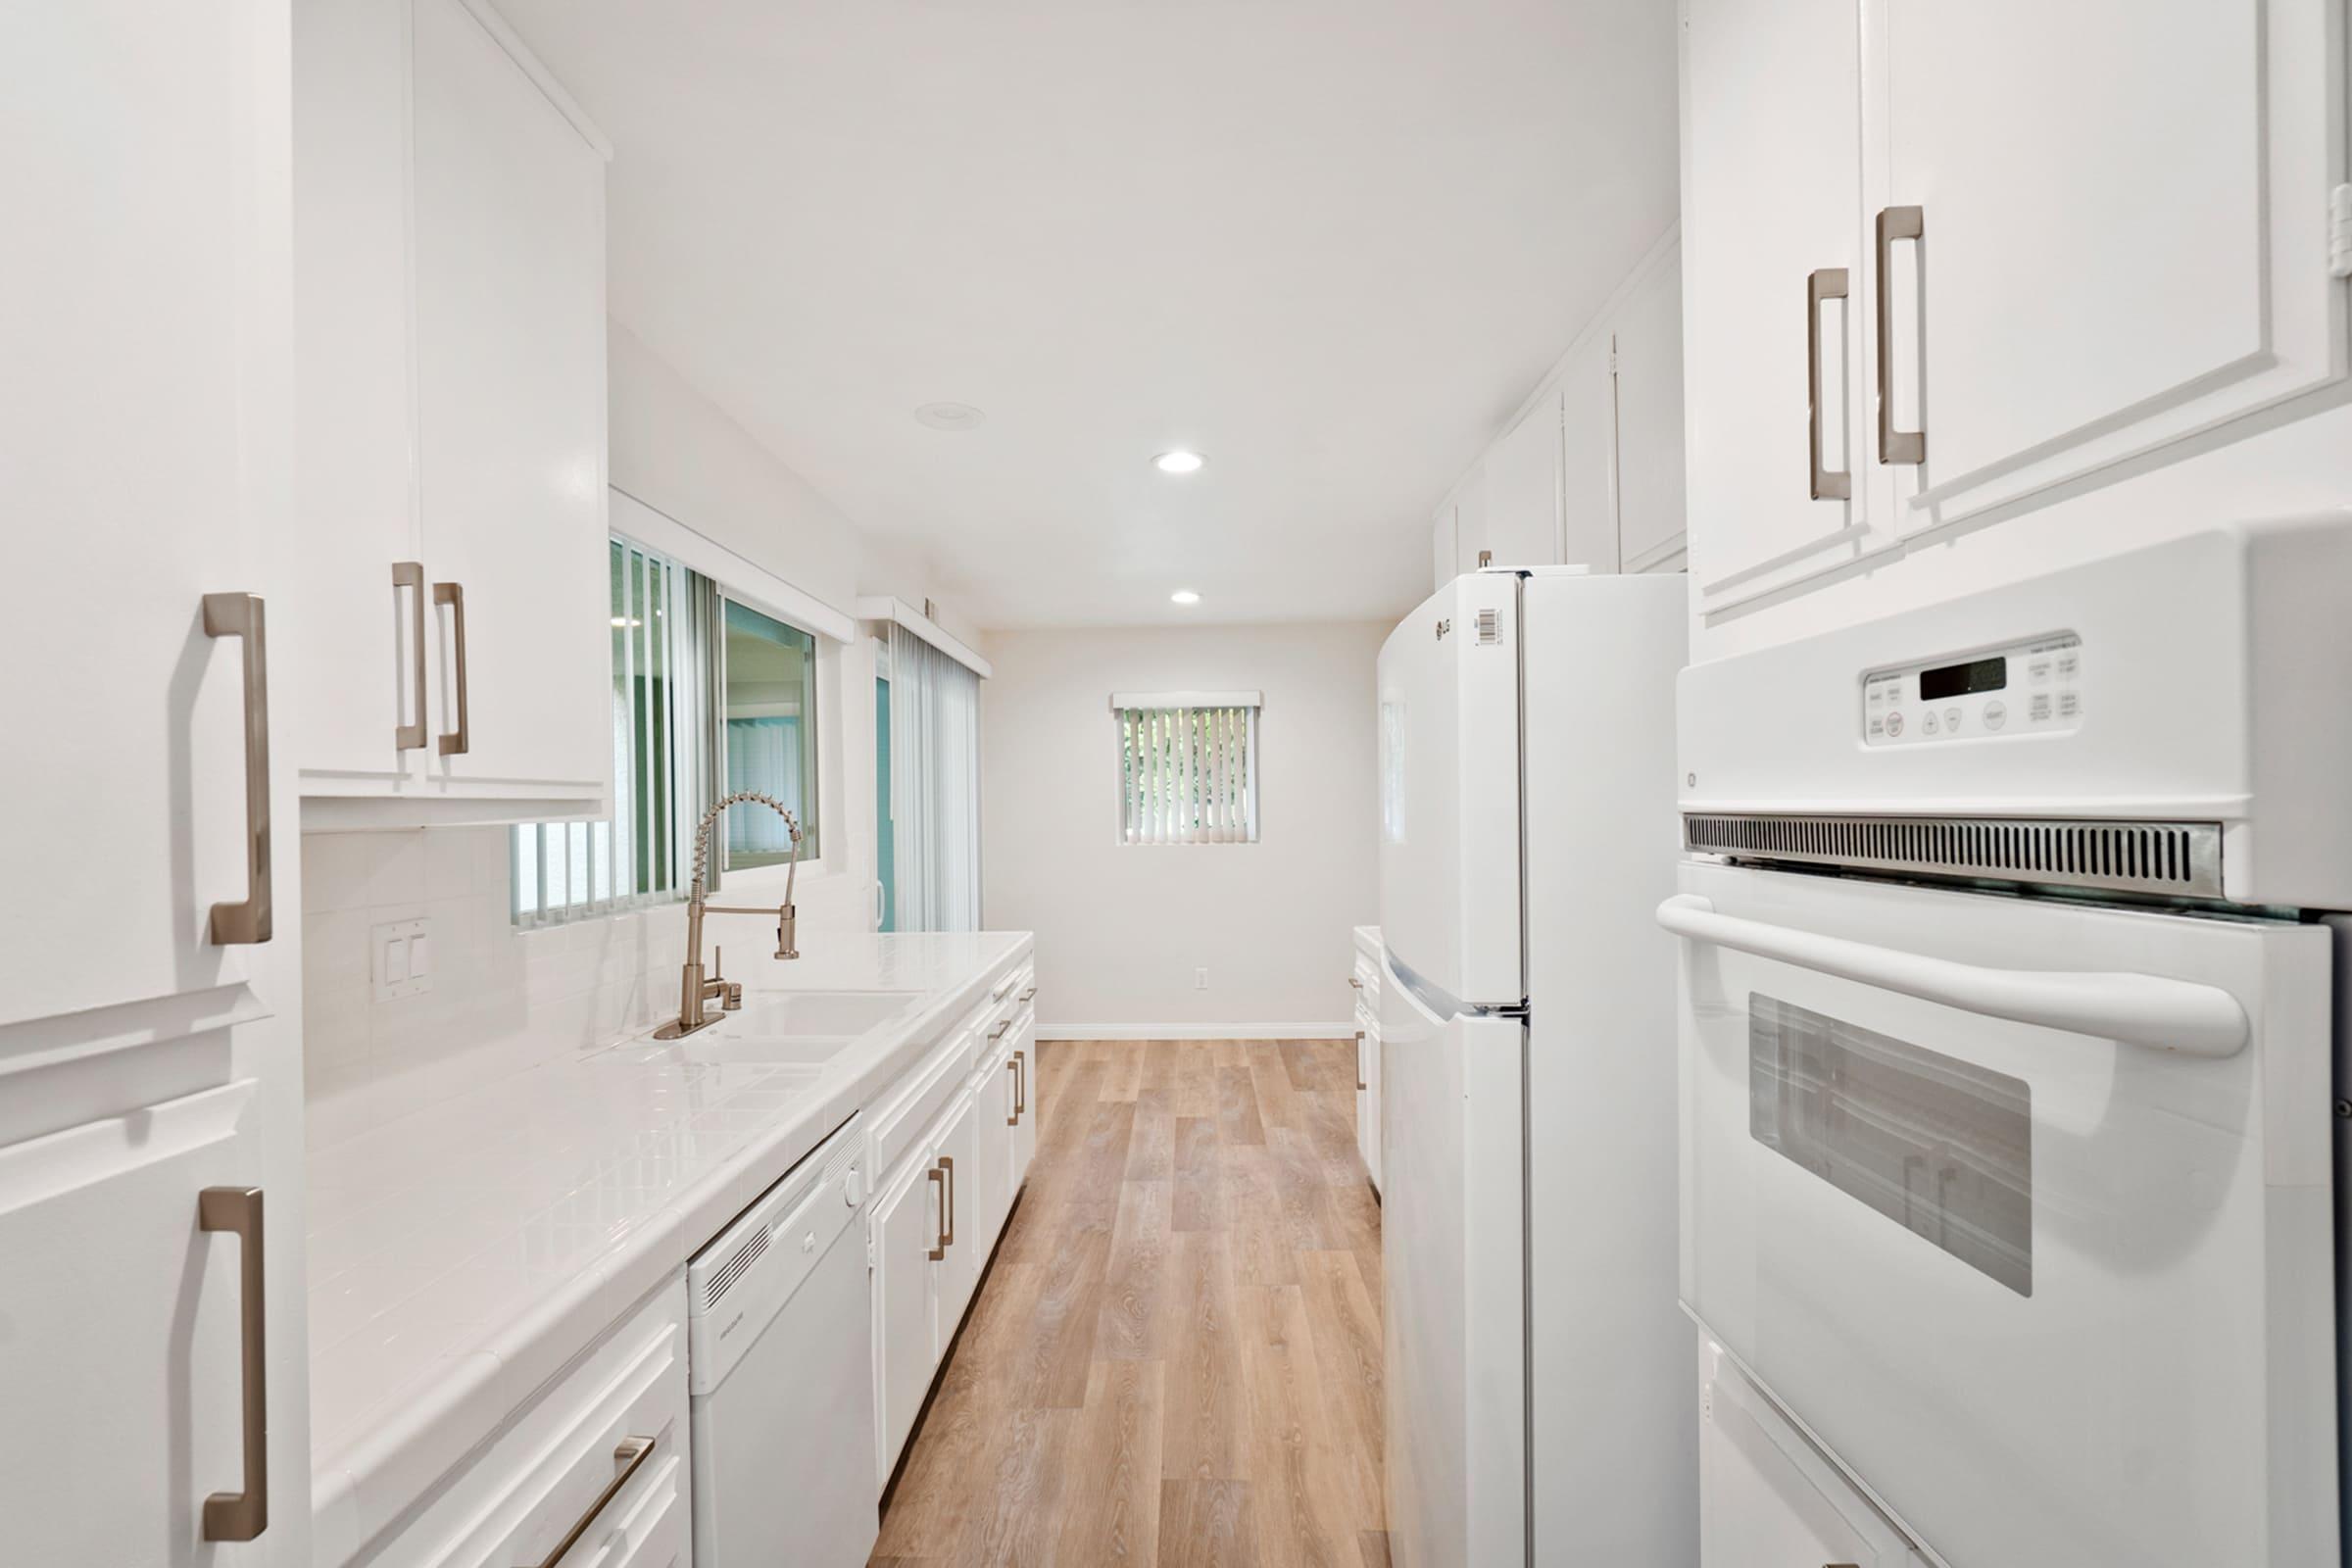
<point x="693" y="989"/>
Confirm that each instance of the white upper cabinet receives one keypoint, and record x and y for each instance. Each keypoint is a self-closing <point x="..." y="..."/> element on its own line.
<point x="450" y="543"/>
<point x="1649" y="421"/>
<point x="2123" y="231"/>
<point x="1470" y="539"/>
<point x="510" y="207"/>
<point x="1442" y="547"/>
<point x="2038" y="249"/>
<point x="1772" y="230"/>
<point x="1523" y="488"/>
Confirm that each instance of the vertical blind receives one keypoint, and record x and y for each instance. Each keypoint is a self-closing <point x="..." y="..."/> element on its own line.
<point x="1188" y="767"/>
<point x="934" y="787"/>
<point x="661" y="618"/>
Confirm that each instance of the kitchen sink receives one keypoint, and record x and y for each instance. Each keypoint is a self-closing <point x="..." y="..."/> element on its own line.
<point x="837" y="1015"/>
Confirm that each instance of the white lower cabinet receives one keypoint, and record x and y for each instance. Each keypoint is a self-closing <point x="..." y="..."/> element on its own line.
<point x="1768" y="1497"/>
<point x="945" y="1198"/>
<point x="620" y="1415"/>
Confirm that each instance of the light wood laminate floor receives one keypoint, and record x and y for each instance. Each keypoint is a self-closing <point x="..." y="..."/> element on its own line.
<point x="1176" y="1355"/>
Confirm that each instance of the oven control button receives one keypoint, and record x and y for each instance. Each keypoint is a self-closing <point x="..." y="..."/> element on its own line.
<point x="1951" y="718"/>
<point x="1894" y="723"/>
<point x="1926" y="725"/>
<point x="2068" y="703"/>
<point x="1996" y="715"/>
<point x="2039" y="710"/>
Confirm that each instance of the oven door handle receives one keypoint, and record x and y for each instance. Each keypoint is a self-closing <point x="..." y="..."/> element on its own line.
<point x="2136" y="1009"/>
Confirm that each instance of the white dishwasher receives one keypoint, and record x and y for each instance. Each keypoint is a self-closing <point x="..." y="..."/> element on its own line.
<point x="780" y="1367"/>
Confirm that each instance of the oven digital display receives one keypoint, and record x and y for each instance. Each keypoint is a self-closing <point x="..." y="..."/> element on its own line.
<point x="1960" y="680"/>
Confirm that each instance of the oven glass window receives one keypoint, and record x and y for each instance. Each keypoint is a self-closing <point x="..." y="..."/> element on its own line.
<point x="1940" y="1147"/>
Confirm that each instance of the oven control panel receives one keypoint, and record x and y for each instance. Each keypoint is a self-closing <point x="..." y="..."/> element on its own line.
<point x="2033" y="687"/>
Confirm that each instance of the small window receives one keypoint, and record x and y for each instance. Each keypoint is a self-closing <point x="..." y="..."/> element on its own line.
<point x="1188" y="767"/>
<point x="769" y="697"/>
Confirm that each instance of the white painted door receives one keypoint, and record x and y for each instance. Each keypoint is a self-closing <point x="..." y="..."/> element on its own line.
<point x="1025" y="1133"/>
<point x="905" y="1223"/>
<point x="1772" y="196"/>
<point x="960" y="1153"/>
<point x="1523" y="488"/>
<point x="989" y="1192"/>
<point x="2123" y="229"/>
<point x="1767" y="1497"/>
<point x="152" y="927"/>
<point x="1589" y="458"/>
<point x="1649" y="421"/>
<point x="352" y="678"/>
<point x="511" y="418"/>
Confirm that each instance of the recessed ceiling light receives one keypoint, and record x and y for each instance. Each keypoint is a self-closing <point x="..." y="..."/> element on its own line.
<point x="949" y="415"/>
<point x="1179" y="462"/>
<point x="1184" y="596"/>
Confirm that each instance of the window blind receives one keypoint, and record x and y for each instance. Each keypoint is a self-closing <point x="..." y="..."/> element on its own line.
<point x="1188" y="767"/>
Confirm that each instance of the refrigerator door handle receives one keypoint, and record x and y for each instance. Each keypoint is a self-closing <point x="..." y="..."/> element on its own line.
<point x="2139" y="1009"/>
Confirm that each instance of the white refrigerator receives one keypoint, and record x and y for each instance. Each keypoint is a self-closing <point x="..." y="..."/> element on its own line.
<point x="1540" y="1377"/>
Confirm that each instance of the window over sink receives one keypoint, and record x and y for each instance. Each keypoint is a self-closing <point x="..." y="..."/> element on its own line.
<point x="710" y="696"/>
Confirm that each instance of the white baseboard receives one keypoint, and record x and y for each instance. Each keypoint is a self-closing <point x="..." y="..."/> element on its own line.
<point x="1197" y="1031"/>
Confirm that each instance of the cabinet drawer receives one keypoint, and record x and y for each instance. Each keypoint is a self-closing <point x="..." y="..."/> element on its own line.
<point x="925" y="1092"/>
<point x="516" y="1501"/>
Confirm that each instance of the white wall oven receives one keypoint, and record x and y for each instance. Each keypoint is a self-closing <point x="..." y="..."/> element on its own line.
<point x="2008" y="1134"/>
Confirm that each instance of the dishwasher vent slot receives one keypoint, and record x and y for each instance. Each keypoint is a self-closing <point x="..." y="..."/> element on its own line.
<point x="732" y="1269"/>
<point x="2180" y="859"/>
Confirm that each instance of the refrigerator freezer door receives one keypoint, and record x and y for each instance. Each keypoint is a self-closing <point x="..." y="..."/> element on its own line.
<point x="1450" y="896"/>
<point x="1452" y="1259"/>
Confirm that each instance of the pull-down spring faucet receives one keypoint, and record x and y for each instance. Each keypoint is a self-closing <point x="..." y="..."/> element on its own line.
<point x="693" y="989"/>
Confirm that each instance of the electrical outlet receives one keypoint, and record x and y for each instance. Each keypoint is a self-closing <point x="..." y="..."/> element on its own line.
<point x="401" y="958"/>
<point x="1200" y="979"/>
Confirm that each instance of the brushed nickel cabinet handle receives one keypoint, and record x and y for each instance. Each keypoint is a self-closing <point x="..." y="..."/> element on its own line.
<point x="1028" y="995"/>
<point x="1829" y="484"/>
<point x="1356" y="980"/>
<point x="459" y="740"/>
<point x="243" y="1515"/>
<point x="998" y="1033"/>
<point x="1015" y="1069"/>
<point x="939" y="1234"/>
<point x="410" y="575"/>
<point x="949" y="1167"/>
<point x="632" y="1452"/>
<point x="1894" y="446"/>
<point x="1359" y="1060"/>
<point x="240" y="615"/>
<point x="1020" y="1083"/>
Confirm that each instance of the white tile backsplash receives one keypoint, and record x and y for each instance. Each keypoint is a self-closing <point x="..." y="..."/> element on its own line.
<point x="502" y="1000"/>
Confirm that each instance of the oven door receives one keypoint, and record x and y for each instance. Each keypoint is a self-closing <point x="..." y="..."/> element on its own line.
<point x="2022" y="1206"/>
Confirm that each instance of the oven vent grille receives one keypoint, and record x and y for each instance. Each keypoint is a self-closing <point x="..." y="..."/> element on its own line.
<point x="2183" y="859"/>
<point x="732" y="1269"/>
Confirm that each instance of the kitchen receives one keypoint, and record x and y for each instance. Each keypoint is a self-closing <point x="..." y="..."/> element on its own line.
<point x="1073" y="784"/>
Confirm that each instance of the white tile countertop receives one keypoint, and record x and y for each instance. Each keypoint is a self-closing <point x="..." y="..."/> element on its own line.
<point x="462" y="1256"/>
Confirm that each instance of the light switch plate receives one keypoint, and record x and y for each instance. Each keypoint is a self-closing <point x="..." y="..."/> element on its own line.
<point x="401" y="958"/>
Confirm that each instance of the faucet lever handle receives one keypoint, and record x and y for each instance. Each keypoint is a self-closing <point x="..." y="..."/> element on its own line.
<point x="719" y="962"/>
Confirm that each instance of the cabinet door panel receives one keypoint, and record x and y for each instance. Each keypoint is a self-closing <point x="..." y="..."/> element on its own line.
<point x="2114" y="254"/>
<point x="511" y="413"/>
<point x="905" y="1227"/>
<point x="351" y="683"/>
<point x="1650" y="420"/>
<point x="1444" y="546"/>
<point x="1522" y="489"/>
<point x="1771" y="192"/>
<point x="1470" y="521"/>
<point x="990" y="1188"/>
<point x="960" y="1271"/>
<point x="1024" y="1136"/>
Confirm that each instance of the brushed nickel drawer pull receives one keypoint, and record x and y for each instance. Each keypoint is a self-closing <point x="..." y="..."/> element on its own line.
<point x="1028" y="995"/>
<point x="998" y="1033"/>
<point x="939" y="1235"/>
<point x="459" y="740"/>
<point x="1829" y="484"/>
<point x="1020" y="1083"/>
<point x="1359" y="1060"/>
<point x="632" y="1452"/>
<point x="410" y="575"/>
<point x="1356" y="980"/>
<point x="243" y="1515"/>
<point x="1896" y="446"/>
<point x="240" y="615"/>
<point x="1013" y="1067"/>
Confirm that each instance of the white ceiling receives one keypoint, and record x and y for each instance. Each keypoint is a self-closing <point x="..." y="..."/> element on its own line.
<point x="1330" y="243"/>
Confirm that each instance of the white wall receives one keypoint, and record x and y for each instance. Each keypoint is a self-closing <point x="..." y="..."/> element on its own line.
<point x="504" y="1000"/>
<point x="1121" y="928"/>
